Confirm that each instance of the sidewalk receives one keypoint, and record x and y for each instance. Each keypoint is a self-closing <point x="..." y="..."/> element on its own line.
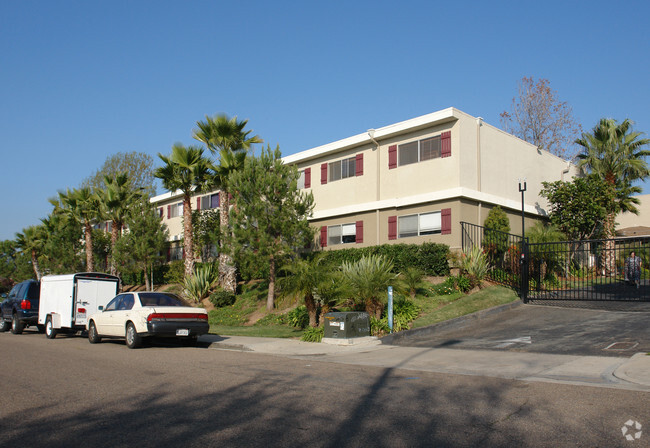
<point x="615" y="372"/>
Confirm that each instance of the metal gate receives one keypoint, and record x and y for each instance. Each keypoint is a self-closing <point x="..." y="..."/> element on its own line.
<point x="589" y="270"/>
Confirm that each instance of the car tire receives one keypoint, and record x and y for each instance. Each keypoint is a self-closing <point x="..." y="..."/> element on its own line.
<point x="50" y="331"/>
<point x="133" y="339"/>
<point x="16" y="325"/>
<point x="5" y="325"/>
<point x="93" y="336"/>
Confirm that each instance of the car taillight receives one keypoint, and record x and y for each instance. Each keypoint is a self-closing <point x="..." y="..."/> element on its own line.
<point x="25" y="305"/>
<point x="81" y="310"/>
<point x="173" y="316"/>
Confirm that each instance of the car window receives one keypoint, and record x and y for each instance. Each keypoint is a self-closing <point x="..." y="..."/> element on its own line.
<point x="34" y="291"/>
<point x="159" y="299"/>
<point x="112" y="305"/>
<point x="126" y="302"/>
<point x="20" y="293"/>
<point x="14" y="291"/>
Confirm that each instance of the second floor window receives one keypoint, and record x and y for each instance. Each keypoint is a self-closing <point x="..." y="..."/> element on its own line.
<point x="342" y="169"/>
<point x="176" y="210"/>
<point x="419" y="151"/>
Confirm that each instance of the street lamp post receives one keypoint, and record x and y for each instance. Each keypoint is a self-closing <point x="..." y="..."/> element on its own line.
<point x="524" y="248"/>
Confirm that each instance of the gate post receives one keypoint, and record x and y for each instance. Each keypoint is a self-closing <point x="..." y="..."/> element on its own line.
<point x="523" y="271"/>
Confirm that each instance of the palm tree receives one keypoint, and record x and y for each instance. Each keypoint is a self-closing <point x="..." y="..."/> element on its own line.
<point x="226" y="138"/>
<point x="185" y="170"/>
<point x="306" y="278"/>
<point x="615" y="153"/>
<point x="116" y="200"/>
<point x="368" y="280"/>
<point x="83" y="205"/>
<point x="32" y="241"/>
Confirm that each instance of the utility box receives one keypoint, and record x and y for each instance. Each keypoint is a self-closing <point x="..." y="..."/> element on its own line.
<point x="346" y="325"/>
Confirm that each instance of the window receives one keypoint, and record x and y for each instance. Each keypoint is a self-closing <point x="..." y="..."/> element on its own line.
<point x="419" y="151"/>
<point x="418" y="225"/>
<point x="342" y="169"/>
<point x="210" y="201"/>
<point x="175" y="210"/>
<point x="112" y="305"/>
<point x="342" y="234"/>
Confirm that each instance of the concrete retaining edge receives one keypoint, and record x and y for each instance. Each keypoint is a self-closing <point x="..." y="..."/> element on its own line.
<point x="458" y="322"/>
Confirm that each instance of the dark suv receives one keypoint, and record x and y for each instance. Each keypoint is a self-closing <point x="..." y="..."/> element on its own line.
<point x="20" y="308"/>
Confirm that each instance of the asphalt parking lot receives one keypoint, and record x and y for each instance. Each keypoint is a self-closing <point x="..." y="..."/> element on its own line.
<point x="545" y="329"/>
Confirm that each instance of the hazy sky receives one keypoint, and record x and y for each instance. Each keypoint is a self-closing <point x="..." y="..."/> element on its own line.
<point x="86" y="79"/>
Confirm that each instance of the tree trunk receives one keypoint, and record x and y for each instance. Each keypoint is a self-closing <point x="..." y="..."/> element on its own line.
<point x="227" y="270"/>
<point x="90" y="262"/>
<point x="312" y="310"/>
<point x="270" y="298"/>
<point x="188" y="245"/>
<point x="146" y="280"/>
<point x="608" y="259"/>
<point x="115" y="231"/>
<point x="37" y="269"/>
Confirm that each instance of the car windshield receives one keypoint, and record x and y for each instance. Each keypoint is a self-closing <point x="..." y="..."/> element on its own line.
<point x="159" y="299"/>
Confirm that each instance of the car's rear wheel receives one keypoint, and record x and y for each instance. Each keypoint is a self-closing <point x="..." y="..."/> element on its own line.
<point x="5" y="325"/>
<point x="16" y="325"/>
<point x="133" y="340"/>
<point x="50" y="331"/>
<point x="93" y="336"/>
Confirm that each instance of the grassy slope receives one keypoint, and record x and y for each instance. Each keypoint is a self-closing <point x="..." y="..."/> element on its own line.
<point x="231" y="320"/>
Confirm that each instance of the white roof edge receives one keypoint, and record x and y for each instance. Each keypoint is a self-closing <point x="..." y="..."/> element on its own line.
<point x="386" y="131"/>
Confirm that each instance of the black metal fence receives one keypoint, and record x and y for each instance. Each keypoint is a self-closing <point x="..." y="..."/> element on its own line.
<point x="591" y="270"/>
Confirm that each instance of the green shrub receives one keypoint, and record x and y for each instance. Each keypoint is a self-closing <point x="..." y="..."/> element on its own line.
<point x="431" y="258"/>
<point x="312" y="334"/>
<point x="406" y="309"/>
<point x="298" y="317"/>
<point x="221" y="298"/>
<point x="199" y="284"/>
<point x="445" y="288"/>
<point x="379" y="327"/>
<point x="272" y="319"/>
<point x="175" y="272"/>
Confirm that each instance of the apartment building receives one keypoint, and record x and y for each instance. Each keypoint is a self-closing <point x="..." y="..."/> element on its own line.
<point x="412" y="182"/>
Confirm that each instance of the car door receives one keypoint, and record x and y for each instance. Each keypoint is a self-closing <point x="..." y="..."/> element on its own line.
<point x="104" y="321"/>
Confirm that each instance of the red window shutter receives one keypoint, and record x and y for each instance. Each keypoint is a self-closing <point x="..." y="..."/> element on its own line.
<point x="323" y="236"/>
<point x="445" y="221"/>
<point x="308" y="178"/>
<point x="392" y="157"/>
<point x="359" y="235"/>
<point x="323" y="173"/>
<point x="169" y="211"/>
<point x="445" y="144"/>
<point x="392" y="227"/>
<point x="359" y="164"/>
<point x="198" y="203"/>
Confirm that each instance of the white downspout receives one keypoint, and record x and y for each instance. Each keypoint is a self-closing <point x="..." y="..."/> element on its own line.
<point x="371" y="134"/>
<point x="479" y="123"/>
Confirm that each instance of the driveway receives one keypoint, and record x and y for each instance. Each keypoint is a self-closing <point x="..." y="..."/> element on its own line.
<point x="543" y="329"/>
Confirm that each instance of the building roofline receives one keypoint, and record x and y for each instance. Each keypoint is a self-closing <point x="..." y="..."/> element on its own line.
<point x="439" y="117"/>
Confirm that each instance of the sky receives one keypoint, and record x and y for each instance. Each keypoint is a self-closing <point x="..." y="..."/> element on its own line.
<point x="83" y="80"/>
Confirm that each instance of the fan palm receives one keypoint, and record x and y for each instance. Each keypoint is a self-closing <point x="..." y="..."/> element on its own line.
<point x="305" y="278"/>
<point x="83" y="205"/>
<point x="614" y="152"/>
<point x="228" y="139"/>
<point x="186" y="170"/>
<point x="32" y="241"/>
<point x="368" y="280"/>
<point x="116" y="200"/>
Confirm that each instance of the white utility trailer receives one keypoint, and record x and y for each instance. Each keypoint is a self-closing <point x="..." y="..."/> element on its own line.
<point x="68" y="300"/>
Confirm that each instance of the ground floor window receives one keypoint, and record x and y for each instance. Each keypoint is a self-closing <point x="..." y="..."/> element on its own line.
<point x="341" y="234"/>
<point x="419" y="224"/>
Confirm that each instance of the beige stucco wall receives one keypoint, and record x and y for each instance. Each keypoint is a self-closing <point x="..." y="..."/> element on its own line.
<point x="624" y="220"/>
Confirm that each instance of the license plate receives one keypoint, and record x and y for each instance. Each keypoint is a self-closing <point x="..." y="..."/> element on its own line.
<point x="182" y="332"/>
<point x="81" y="315"/>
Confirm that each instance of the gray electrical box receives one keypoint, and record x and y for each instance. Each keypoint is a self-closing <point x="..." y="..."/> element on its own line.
<point x="346" y="325"/>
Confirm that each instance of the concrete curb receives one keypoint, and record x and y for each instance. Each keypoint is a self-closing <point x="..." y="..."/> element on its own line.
<point x="395" y="338"/>
<point x="635" y="370"/>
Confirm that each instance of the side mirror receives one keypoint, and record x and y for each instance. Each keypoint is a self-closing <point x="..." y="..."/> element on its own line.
<point x="100" y="307"/>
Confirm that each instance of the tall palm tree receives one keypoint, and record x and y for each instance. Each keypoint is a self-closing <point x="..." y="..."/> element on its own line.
<point x="116" y="200"/>
<point x="228" y="139"/>
<point x="83" y="205"/>
<point x="614" y="152"/>
<point x="32" y="241"/>
<point x="186" y="170"/>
